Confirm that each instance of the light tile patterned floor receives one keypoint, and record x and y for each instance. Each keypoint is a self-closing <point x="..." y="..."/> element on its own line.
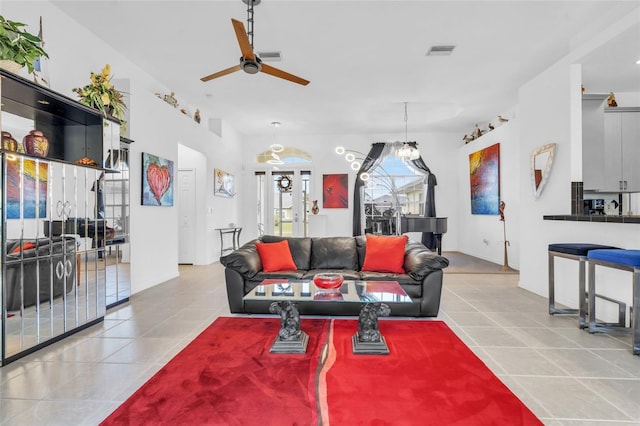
<point x="565" y="375"/>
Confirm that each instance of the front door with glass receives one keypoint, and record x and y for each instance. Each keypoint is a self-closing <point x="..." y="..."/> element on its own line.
<point x="284" y="202"/>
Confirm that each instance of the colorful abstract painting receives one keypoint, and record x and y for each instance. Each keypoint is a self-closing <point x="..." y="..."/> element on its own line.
<point x="484" y="173"/>
<point x="223" y="184"/>
<point x="31" y="195"/>
<point x="335" y="191"/>
<point x="157" y="181"/>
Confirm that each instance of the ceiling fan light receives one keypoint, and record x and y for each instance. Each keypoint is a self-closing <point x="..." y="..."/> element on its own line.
<point x="349" y="157"/>
<point x="276" y="147"/>
<point x="340" y="150"/>
<point x="355" y="165"/>
<point x="365" y="176"/>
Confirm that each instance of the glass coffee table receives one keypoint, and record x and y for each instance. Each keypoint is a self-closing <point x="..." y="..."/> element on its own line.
<point x="373" y="296"/>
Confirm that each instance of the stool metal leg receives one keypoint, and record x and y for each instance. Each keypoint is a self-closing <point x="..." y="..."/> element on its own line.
<point x="635" y="318"/>
<point x="582" y="322"/>
<point x="603" y="327"/>
<point x="592" y="297"/>
<point x="552" y="297"/>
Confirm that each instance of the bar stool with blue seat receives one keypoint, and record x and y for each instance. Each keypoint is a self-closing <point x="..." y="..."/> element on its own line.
<point x="578" y="252"/>
<point x="626" y="260"/>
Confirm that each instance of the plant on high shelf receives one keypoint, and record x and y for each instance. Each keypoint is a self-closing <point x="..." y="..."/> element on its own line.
<point x="102" y="95"/>
<point x="19" y="46"/>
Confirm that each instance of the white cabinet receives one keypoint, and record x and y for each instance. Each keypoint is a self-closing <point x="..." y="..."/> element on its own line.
<point x="52" y="281"/>
<point x="610" y="146"/>
<point x="621" y="150"/>
<point x="593" y="140"/>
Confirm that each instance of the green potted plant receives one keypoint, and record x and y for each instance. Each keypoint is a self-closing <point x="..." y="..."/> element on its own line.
<point x="102" y="95"/>
<point x="18" y="46"/>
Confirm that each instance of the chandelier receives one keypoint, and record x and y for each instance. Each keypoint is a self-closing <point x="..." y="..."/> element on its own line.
<point x="276" y="147"/>
<point x="406" y="152"/>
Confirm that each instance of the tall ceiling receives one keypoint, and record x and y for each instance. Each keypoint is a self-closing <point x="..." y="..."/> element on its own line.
<point x="364" y="59"/>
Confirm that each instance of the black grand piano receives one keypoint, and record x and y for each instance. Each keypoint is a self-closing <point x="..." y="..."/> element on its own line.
<point x="415" y="223"/>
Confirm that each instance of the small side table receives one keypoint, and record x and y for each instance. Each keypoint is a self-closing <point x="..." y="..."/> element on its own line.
<point x="235" y="238"/>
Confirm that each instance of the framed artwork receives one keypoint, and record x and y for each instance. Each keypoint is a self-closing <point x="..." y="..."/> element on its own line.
<point x="157" y="181"/>
<point x="335" y="191"/>
<point x="484" y="174"/>
<point x="34" y="185"/>
<point x="223" y="185"/>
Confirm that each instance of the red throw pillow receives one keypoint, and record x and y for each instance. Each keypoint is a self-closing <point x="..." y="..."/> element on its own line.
<point x="276" y="256"/>
<point x="26" y="246"/>
<point x="385" y="254"/>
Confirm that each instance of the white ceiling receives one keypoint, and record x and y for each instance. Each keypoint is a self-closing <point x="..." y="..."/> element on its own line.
<point x="364" y="58"/>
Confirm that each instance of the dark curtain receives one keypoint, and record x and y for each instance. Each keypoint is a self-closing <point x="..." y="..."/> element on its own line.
<point x="428" y="239"/>
<point x="367" y="165"/>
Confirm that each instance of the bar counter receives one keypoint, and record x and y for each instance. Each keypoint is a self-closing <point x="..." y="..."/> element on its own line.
<point x="599" y="218"/>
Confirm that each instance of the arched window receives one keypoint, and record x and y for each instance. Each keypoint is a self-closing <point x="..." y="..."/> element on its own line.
<point x="284" y="156"/>
<point x="394" y="187"/>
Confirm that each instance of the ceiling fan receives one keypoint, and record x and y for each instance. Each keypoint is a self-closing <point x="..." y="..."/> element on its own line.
<point x="249" y="61"/>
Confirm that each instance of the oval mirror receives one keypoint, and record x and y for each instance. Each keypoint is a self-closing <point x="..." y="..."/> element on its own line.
<point x="541" y="162"/>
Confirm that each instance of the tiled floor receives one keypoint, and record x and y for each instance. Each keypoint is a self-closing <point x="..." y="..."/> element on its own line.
<point x="566" y="376"/>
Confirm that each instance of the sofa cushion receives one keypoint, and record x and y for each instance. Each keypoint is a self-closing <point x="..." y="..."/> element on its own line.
<point x="286" y="275"/>
<point x="411" y="286"/>
<point x="276" y="256"/>
<point x="385" y="253"/>
<point x="334" y="253"/>
<point x="300" y="249"/>
<point x="419" y="261"/>
<point x="28" y="245"/>
<point x="361" y="244"/>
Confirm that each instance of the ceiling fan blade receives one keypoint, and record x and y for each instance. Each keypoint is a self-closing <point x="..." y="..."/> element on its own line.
<point x="221" y="73"/>
<point x="268" y="69"/>
<point x="243" y="40"/>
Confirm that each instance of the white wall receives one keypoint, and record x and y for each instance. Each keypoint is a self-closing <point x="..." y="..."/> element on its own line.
<point x="484" y="234"/>
<point x="436" y="150"/>
<point x="155" y="127"/>
<point x="545" y="109"/>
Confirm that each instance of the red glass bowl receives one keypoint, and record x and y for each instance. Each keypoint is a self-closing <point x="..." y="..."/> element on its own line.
<point x="328" y="280"/>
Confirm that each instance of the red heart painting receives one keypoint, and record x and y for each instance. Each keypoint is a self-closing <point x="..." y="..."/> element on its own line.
<point x="159" y="180"/>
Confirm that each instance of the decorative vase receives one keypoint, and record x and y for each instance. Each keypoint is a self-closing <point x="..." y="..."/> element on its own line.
<point x="35" y="143"/>
<point x="314" y="208"/>
<point x="8" y="142"/>
<point x="10" y="66"/>
<point x="328" y="280"/>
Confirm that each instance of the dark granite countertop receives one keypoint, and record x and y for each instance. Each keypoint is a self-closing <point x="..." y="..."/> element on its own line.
<point x="593" y="218"/>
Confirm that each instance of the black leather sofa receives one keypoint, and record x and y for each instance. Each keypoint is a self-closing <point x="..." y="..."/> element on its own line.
<point x="44" y="259"/>
<point x="422" y="279"/>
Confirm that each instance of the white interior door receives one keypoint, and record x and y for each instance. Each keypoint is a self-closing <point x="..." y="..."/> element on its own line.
<point x="187" y="203"/>
<point x="288" y="203"/>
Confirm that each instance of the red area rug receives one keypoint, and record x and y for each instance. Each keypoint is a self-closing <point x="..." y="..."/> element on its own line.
<point x="227" y="376"/>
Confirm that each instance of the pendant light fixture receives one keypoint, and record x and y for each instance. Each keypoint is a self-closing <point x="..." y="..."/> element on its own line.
<point x="275" y="147"/>
<point x="406" y="152"/>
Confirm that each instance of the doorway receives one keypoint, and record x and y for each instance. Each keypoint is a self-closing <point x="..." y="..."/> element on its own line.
<point x="187" y="209"/>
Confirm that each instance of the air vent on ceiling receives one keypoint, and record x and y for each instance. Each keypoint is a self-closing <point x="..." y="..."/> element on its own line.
<point x="440" y="50"/>
<point x="270" y="56"/>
